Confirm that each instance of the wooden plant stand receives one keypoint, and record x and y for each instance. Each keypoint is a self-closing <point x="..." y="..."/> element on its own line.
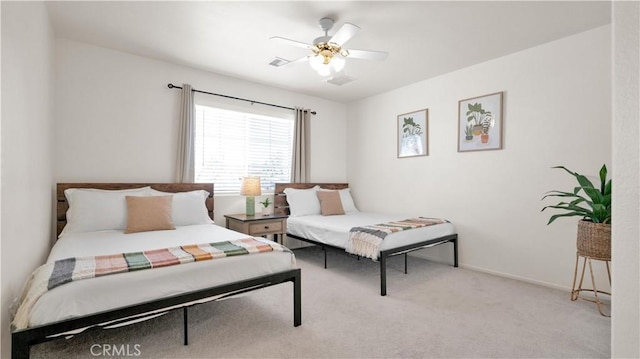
<point x="593" y="243"/>
<point x="575" y="292"/>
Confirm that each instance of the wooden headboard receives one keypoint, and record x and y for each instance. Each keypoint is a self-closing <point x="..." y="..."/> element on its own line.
<point x="63" y="206"/>
<point x="281" y="206"/>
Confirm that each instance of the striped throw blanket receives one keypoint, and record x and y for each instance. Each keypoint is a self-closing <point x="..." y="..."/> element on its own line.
<point x="51" y="275"/>
<point x="365" y="241"/>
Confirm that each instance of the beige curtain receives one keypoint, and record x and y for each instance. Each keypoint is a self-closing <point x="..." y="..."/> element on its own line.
<point x="185" y="166"/>
<point x="300" y="159"/>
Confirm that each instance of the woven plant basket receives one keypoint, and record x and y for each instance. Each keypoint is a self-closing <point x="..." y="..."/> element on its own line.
<point x="594" y="240"/>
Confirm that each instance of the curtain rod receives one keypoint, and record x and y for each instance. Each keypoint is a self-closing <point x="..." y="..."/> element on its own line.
<point x="172" y="86"/>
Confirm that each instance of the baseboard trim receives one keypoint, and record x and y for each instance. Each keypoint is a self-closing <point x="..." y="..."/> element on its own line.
<point x="516" y="277"/>
<point x="496" y="273"/>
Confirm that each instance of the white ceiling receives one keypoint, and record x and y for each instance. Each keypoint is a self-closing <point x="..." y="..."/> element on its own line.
<point x="424" y="38"/>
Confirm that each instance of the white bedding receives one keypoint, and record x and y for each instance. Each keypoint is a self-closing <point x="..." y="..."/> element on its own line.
<point x="113" y="291"/>
<point x="334" y="230"/>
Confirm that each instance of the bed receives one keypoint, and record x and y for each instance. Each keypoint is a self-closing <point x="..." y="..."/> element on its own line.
<point x="124" y="298"/>
<point x="332" y="231"/>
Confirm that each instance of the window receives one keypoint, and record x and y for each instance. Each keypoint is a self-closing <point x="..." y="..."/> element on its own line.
<point x="230" y="145"/>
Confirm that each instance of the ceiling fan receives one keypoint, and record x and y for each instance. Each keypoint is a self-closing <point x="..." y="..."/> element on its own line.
<point x="328" y="54"/>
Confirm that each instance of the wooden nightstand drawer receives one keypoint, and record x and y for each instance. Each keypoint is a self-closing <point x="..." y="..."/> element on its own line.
<point x="265" y="227"/>
<point x="275" y="225"/>
<point x="236" y="226"/>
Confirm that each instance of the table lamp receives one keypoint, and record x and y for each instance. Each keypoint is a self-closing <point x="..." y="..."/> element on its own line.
<point x="251" y="188"/>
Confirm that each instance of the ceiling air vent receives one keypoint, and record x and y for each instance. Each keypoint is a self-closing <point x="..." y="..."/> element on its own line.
<point x="339" y="81"/>
<point x="278" y="61"/>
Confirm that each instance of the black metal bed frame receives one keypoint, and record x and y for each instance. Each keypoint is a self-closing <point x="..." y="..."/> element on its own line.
<point x="281" y="206"/>
<point x="23" y="339"/>
<point x="453" y="238"/>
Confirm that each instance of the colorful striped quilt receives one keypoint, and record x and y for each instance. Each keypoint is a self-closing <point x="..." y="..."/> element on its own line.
<point x="51" y="275"/>
<point x="365" y="241"/>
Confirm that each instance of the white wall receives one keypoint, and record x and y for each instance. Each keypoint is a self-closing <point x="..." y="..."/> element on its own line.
<point x="27" y="156"/>
<point x="116" y="120"/>
<point x="625" y="321"/>
<point x="557" y="110"/>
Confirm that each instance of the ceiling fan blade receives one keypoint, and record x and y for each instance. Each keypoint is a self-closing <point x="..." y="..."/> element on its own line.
<point x="302" y="59"/>
<point x="346" y="32"/>
<point x="280" y="62"/>
<point x="291" y="42"/>
<point x="367" y="55"/>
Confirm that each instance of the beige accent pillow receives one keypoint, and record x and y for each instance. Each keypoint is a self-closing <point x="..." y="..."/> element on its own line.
<point x="330" y="203"/>
<point x="149" y="213"/>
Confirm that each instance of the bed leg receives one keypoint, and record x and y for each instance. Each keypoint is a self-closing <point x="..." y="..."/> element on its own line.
<point x="185" y="319"/>
<point x="383" y="275"/>
<point x="455" y="252"/>
<point x="324" y="249"/>
<point x="405" y="263"/>
<point x="19" y="347"/>
<point x="297" y="300"/>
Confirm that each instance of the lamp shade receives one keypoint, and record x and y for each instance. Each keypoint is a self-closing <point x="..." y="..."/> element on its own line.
<point x="250" y="186"/>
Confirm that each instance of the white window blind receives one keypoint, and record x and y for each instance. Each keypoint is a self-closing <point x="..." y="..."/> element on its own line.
<point x="230" y="145"/>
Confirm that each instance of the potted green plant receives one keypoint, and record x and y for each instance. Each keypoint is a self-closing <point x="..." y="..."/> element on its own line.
<point x="487" y="123"/>
<point x="477" y="117"/>
<point x="468" y="132"/>
<point x="411" y="142"/>
<point x="593" y="205"/>
<point x="265" y="205"/>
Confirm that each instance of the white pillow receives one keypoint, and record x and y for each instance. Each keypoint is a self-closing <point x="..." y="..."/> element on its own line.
<point x="93" y="209"/>
<point x="303" y="202"/>
<point x="347" y="201"/>
<point x="188" y="208"/>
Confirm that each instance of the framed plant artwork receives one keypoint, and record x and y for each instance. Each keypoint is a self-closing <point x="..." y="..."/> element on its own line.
<point x="413" y="129"/>
<point x="480" y="123"/>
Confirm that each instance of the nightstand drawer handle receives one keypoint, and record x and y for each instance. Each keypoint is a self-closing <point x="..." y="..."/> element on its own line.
<point x="266" y="227"/>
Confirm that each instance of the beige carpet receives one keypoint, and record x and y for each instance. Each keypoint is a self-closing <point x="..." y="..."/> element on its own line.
<point x="435" y="311"/>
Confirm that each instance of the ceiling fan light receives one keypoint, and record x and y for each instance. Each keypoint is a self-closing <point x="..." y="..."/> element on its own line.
<point x="316" y="62"/>
<point x="327" y="55"/>
<point x="324" y="70"/>
<point x="332" y="69"/>
<point x="337" y="63"/>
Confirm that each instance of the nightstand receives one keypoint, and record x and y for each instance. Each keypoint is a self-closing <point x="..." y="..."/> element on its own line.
<point x="259" y="225"/>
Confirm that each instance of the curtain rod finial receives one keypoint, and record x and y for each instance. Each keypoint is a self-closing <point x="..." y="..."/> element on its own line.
<point x="170" y="85"/>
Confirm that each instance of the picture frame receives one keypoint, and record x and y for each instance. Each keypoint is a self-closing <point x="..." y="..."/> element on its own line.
<point x="413" y="134"/>
<point x="480" y="122"/>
